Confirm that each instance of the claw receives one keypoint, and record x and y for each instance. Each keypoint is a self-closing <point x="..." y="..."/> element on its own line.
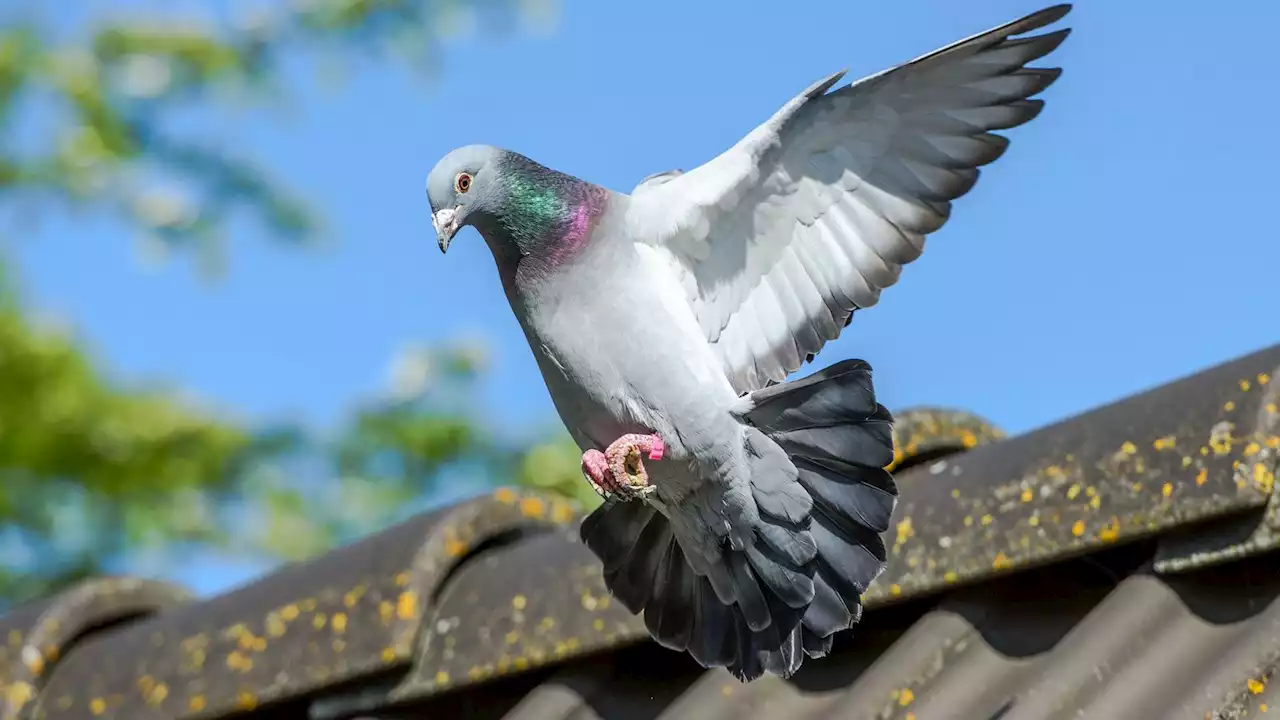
<point x="596" y="469"/>
<point x="627" y="464"/>
<point x="620" y="470"/>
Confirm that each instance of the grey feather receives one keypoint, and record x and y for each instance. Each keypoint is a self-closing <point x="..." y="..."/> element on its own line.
<point x="670" y="619"/>
<point x="773" y="481"/>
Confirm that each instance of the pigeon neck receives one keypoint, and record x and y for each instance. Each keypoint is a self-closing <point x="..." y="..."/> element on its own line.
<point x="546" y="217"/>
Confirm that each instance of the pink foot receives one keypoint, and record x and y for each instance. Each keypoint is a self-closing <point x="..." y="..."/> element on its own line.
<point x="596" y="468"/>
<point x="620" y="470"/>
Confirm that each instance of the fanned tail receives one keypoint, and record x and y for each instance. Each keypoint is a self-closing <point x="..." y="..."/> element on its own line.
<point x="817" y="449"/>
<point x="840" y="440"/>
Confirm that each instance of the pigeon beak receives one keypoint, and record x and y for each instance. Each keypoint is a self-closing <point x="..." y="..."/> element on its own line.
<point x="446" y="224"/>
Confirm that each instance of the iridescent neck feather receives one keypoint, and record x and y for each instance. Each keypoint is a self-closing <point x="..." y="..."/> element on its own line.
<point x="545" y="217"/>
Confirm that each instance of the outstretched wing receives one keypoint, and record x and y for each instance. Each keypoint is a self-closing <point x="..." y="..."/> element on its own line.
<point x="779" y="239"/>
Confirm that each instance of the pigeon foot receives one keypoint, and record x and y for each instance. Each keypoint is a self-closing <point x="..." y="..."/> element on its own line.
<point x="619" y="470"/>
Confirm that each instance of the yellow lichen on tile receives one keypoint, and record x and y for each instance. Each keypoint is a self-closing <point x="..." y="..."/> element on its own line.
<point x="157" y="694"/>
<point x="519" y="602"/>
<point x="561" y="512"/>
<point x="1001" y="561"/>
<point x="1229" y="405"/>
<point x="1027" y="495"/>
<point x="1245" y="385"/>
<point x="968" y="439"/>
<point x="407" y="605"/>
<point x="1128" y="448"/>
<point x="442" y="678"/>
<point x="1202" y="477"/>
<point x="319" y="620"/>
<point x="196" y="703"/>
<point x="239" y="662"/>
<point x="454" y="547"/>
<point x="895" y="589"/>
<point x="1264" y="478"/>
<point x="1111" y="531"/>
<point x="1073" y="491"/>
<point x="1165" y="443"/>
<point x="1256" y="686"/>
<point x="1077" y="529"/>
<point x="339" y="623"/>
<point x="1263" y="378"/>
<point x="950" y="576"/>
<point x="18" y="694"/>
<point x="246" y="700"/>
<point x="905" y="697"/>
<point x="533" y="507"/>
<point x="289" y="612"/>
<point x="987" y="519"/>
<point x="351" y="597"/>
<point x="97" y="706"/>
<point x="1167" y="489"/>
<point x="905" y="531"/>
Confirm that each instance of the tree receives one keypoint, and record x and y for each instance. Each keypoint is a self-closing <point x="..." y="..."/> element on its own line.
<point x="92" y="473"/>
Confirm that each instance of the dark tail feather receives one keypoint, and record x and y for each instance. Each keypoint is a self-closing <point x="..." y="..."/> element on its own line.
<point x="645" y="568"/>
<point x="817" y="450"/>
<point x="839" y="440"/>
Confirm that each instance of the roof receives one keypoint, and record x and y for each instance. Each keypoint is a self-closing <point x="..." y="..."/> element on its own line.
<point x="1114" y="564"/>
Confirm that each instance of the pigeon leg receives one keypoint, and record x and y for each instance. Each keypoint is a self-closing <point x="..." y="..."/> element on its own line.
<point x="625" y="457"/>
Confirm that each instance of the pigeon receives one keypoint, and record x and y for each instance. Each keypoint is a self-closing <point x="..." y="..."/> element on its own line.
<point x="666" y="323"/>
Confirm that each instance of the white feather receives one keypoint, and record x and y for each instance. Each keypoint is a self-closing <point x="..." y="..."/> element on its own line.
<point x="777" y="240"/>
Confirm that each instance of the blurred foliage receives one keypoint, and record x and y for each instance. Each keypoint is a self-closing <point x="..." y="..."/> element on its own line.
<point x="88" y="471"/>
<point x="96" y="476"/>
<point x="105" y="100"/>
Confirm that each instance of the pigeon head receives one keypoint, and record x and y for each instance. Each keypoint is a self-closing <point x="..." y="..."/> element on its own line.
<point x="531" y="216"/>
<point x="462" y="189"/>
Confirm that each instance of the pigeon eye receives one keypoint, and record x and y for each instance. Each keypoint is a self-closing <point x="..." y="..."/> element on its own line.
<point x="462" y="183"/>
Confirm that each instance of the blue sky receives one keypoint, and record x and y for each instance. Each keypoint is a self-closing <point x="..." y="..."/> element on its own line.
<point x="1114" y="247"/>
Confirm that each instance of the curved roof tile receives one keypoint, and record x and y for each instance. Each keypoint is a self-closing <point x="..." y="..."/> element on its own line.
<point x="497" y="593"/>
<point x="354" y="612"/>
<point x="34" y="637"/>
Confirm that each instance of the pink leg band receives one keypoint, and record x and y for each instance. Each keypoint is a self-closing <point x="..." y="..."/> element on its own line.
<point x="657" y="447"/>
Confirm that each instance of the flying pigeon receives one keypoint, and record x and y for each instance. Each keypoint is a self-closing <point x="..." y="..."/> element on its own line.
<point x="666" y="322"/>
